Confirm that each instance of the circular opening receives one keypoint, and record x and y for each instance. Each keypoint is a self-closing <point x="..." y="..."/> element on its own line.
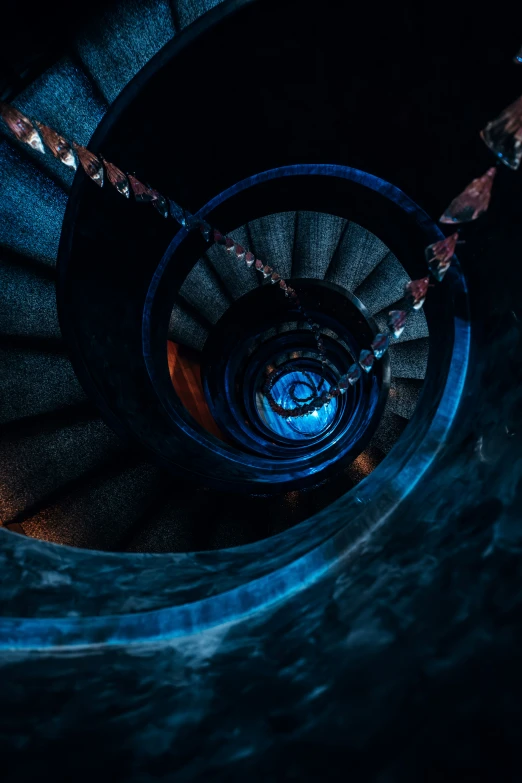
<point x="298" y="385"/>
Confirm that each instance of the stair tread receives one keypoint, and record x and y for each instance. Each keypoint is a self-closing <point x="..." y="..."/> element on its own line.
<point x="34" y="383"/>
<point x="63" y="98"/>
<point x="202" y="290"/>
<point x="187" y="11"/>
<point x="409" y="360"/>
<point x="358" y="254"/>
<point x="98" y="516"/>
<point x="317" y="237"/>
<point x="384" y="285"/>
<point x="237" y="278"/>
<point x="27" y="302"/>
<point x="364" y="464"/>
<point x="35" y="465"/>
<point x="185" y="329"/>
<point x="122" y="40"/>
<point x="404" y="396"/>
<point x="273" y="241"/>
<point x="416" y="325"/>
<point x="32" y="207"/>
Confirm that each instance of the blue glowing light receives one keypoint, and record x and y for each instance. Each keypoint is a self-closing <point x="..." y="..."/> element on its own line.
<point x="302" y="386"/>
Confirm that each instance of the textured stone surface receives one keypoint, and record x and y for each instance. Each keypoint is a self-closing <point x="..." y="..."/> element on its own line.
<point x="409" y="359"/>
<point x="404" y="396"/>
<point x="100" y="516"/>
<point x="358" y="254"/>
<point x="273" y="240"/>
<point x="36" y="383"/>
<point x="236" y="276"/>
<point x="201" y="289"/>
<point x="37" y="464"/>
<point x="27" y="302"/>
<point x="121" y="40"/>
<point x="31" y="207"/>
<point x="316" y="239"/>
<point x="416" y="325"/>
<point x="184" y="329"/>
<point x="408" y="353"/>
<point x="187" y="11"/>
<point x="383" y="286"/>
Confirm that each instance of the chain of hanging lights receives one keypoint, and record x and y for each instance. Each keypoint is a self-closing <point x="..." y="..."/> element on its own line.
<point x="503" y="136"/>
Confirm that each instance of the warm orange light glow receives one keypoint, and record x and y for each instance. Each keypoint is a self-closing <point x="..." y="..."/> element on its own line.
<point x="185" y="373"/>
<point x="9" y="505"/>
<point x="41" y="527"/>
<point x="363" y="465"/>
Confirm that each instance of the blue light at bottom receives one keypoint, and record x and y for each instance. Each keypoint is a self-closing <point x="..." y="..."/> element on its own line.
<point x="303" y="386"/>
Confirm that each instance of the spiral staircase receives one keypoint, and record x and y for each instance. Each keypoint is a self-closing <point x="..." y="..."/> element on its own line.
<point x="81" y="505"/>
<point x="197" y="597"/>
